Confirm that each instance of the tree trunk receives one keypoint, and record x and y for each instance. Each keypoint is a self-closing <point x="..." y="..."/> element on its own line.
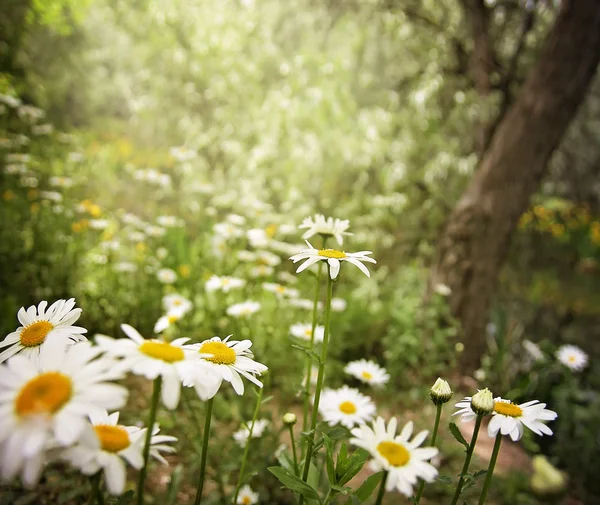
<point x="475" y="240"/>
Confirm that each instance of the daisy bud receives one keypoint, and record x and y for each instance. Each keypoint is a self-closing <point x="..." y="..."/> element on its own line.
<point x="440" y="392"/>
<point x="289" y="419"/>
<point x="482" y="402"/>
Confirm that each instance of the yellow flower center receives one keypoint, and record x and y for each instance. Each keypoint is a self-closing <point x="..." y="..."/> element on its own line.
<point x="280" y="289"/>
<point x="112" y="438"/>
<point x="225" y="281"/>
<point x="35" y="333"/>
<point x="331" y="253"/>
<point x="222" y="354"/>
<point x="246" y="500"/>
<point x="348" y="408"/>
<point x="396" y="454"/>
<point x="172" y="319"/>
<point x="366" y="375"/>
<point x="44" y="394"/>
<point x="177" y="303"/>
<point x="162" y="350"/>
<point x="508" y="409"/>
<point x="571" y="359"/>
<point x="308" y="332"/>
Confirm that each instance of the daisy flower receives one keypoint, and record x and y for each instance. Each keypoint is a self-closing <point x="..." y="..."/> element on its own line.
<point x="230" y="360"/>
<point x="241" y="436"/>
<point x="509" y="419"/>
<point x="338" y="304"/>
<point x="304" y="331"/>
<point x="402" y="458"/>
<point x="261" y="271"/>
<point x="243" y="309"/>
<point x="38" y="326"/>
<point x="152" y="358"/>
<point x="572" y="357"/>
<point x="333" y="257"/>
<point x="328" y="227"/>
<point x="280" y="290"/>
<point x="166" y="276"/>
<point x="167" y="320"/>
<point x="346" y="406"/>
<point x="484" y="405"/>
<point x="176" y="302"/>
<point x="106" y="445"/>
<point x="302" y="303"/>
<point x="227" y="230"/>
<point x="224" y="284"/>
<point x="47" y="400"/>
<point x="246" y="496"/>
<point x="368" y="372"/>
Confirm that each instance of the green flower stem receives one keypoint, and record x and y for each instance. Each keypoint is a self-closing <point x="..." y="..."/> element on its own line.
<point x="205" y="439"/>
<point x="96" y="494"/>
<point x="311" y="345"/>
<point x="381" y="489"/>
<point x="490" y="471"/>
<point x="315" y="412"/>
<point x="465" y="468"/>
<point x="247" y="448"/>
<point x="291" y="428"/>
<point x="151" y="421"/>
<point x="436" y="425"/>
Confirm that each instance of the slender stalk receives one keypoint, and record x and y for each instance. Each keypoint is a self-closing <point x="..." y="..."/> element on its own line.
<point x="95" y="494"/>
<point x="465" y="468"/>
<point x="151" y="420"/>
<point x="247" y="448"/>
<point x="205" y="438"/>
<point x="313" y="424"/>
<point x="291" y="428"/>
<point x="381" y="489"/>
<point x="490" y="472"/>
<point x="311" y="345"/>
<point x="436" y="425"/>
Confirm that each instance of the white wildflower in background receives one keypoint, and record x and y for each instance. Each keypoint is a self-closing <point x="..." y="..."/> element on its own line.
<point x="509" y="419"/>
<point x="328" y="227"/>
<point x="43" y="324"/>
<point x="105" y="446"/>
<point x="258" y="237"/>
<point x="246" y="496"/>
<point x="247" y="256"/>
<point x="227" y="230"/>
<point x="261" y="271"/>
<point x="280" y="290"/>
<point x="338" y="304"/>
<point x="368" y="372"/>
<point x="177" y="302"/>
<point x="405" y="461"/>
<point x="442" y="289"/>
<point x="46" y="401"/>
<point x="230" y="360"/>
<point x="333" y="257"/>
<point x="241" y="436"/>
<point x="152" y="358"/>
<point x="169" y="221"/>
<point x="166" y="276"/>
<point x="236" y="219"/>
<point x="267" y="258"/>
<point x="182" y="153"/>
<point x="224" y="283"/>
<point x="301" y="303"/>
<point x="304" y="331"/>
<point x="243" y="309"/>
<point x="346" y="406"/>
<point x="533" y="350"/>
<point x="572" y="357"/>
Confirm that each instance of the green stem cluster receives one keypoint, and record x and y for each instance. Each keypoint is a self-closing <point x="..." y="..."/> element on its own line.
<point x="465" y="468"/>
<point x="150" y="427"/>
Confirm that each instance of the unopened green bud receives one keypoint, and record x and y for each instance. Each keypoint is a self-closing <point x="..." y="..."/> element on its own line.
<point x="289" y="419"/>
<point x="440" y="392"/>
<point x="547" y="481"/>
<point x="482" y="402"/>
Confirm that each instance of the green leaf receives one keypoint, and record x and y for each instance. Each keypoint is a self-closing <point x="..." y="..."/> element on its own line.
<point x="368" y="486"/>
<point x="337" y="433"/>
<point x="125" y="498"/>
<point x="343" y="454"/>
<point x="267" y="399"/>
<point x="444" y="479"/>
<point x="286" y="461"/>
<point x="174" y="485"/>
<point x="329" y="460"/>
<point x="353" y="465"/>
<point x="458" y="435"/>
<point x="309" y="352"/>
<point x="342" y="489"/>
<point x="294" y="483"/>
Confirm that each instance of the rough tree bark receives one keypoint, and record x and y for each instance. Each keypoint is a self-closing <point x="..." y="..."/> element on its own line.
<point x="475" y="240"/>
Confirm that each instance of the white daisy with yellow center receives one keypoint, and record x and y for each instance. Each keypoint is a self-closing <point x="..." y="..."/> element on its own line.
<point x="333" y="257"/>
<point x="401" y="457"/>
<point x="243" y="309"/>
<point x="167" y="320"/>
<point x="346" y="406"/>
<point x="241" y="436"/>
<point x="152" y="358"/>
<point x="328" y="227"/>
<point x="229" y="360"/>
<point x="166" y="276"/>
<point x="572" y="357"/>
<point x="246" y="496"/>
<point x="41" y="324"/>
<point x="106" y="445"/>
<point x="304" y="331"/>
<point x="224" y="283"/>
<point x="176" y="302"/>
<point x="509" y="418"/>
<point x="280" y="290"/>
<point x="46" y="402"/>
<point x="368" y="372"/>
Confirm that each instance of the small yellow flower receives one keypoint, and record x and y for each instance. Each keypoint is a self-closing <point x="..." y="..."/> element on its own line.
<point x="80" y="226"/>
<point x="8" y="195"/>
<point x="184" y="271"/>
<point x="140" y="247"/>
<point x="270" y="230"/>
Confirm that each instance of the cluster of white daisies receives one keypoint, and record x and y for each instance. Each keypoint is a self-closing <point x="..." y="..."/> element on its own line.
<point x="59" y="398"/>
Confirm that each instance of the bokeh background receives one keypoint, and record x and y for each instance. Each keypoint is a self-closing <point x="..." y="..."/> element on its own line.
<point x="147" y="145"/>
